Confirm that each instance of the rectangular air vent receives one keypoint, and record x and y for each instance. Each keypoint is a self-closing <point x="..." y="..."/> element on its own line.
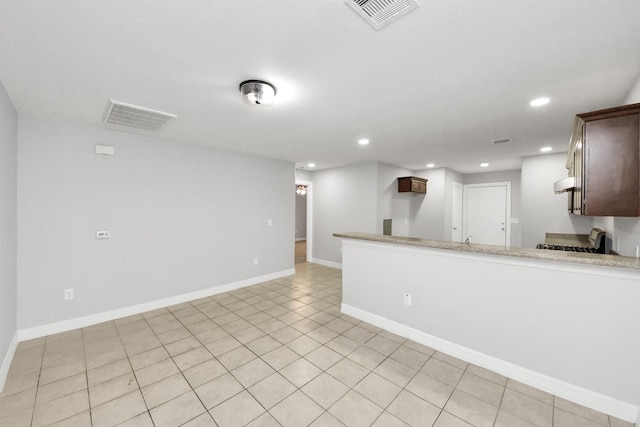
<point x="502" y="141"/>
<point x="132" y="116"/>
<point x="379" y="13"/>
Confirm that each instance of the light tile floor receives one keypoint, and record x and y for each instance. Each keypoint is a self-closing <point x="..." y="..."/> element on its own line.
<point x="277" y="353"/>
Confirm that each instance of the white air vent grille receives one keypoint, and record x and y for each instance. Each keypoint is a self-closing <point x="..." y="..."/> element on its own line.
<point x="133" y="116"/>
<point x="379" y="13"/>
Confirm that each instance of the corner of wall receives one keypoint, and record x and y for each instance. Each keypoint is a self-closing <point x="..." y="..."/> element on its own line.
<point x="8" y="358"/>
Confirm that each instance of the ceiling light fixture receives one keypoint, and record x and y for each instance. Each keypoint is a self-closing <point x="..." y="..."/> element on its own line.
<point x="430" y="165"/>
<point x="301" y="189"/>
<point x="484" y="165"/>
<point x="538" y="102"/>
<point x="312" y="165"/>
<point x="257" y="92"/>
<point x="363" y="141"/>
<point x="546" y="149"/>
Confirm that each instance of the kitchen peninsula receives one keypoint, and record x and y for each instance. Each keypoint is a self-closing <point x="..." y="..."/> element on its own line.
<point x="566" y="323"/>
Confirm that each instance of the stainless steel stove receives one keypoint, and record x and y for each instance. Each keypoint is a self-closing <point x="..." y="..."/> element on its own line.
<point x="596" y="244"/>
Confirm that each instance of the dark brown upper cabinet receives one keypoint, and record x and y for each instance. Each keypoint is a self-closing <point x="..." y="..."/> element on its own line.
<point x="604" y="158"/>
<point x="412" y="184"/>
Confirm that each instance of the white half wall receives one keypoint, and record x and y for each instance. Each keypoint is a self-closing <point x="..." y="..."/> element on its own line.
<point x="179" y="222"/>
<point x="8" y="231"/>
<point x="571" y="330"/>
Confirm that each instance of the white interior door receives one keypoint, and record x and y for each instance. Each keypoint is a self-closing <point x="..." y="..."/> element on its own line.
<point x="486" y="210"/>
<point x="456" y="213"/>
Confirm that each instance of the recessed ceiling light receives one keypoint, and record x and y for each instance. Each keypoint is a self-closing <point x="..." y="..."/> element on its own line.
<point x="363" y="141"/>
<point x="484" y="165"/>
<point x="312" y="165"/>
<point x="546" y="149"/>
<point x="539" y="102"/>
<point x="430" y="165"/>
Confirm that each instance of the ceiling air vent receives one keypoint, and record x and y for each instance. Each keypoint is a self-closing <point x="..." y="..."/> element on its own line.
<point x="502" y="141"/>
<point x="379" y="13"/>
<point x="133" y="116"/>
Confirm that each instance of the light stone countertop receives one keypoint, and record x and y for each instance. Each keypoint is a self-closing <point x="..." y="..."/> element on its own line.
<point x="542" y="254"/>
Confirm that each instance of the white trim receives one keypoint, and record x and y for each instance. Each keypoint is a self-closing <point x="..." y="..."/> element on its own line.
<point x="8" y="358"/>
<point x="507" y="214"/>
<point x="81" y="322"/>
<point x="327" y="263"/>
<point x="300" y="239"/>
<point x="579" y="395"/>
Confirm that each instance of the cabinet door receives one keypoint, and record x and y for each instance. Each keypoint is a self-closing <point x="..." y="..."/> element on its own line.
<point x="611" y="181"/>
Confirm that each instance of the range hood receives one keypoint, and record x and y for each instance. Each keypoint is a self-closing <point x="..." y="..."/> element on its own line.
<point x="564" y="185"/>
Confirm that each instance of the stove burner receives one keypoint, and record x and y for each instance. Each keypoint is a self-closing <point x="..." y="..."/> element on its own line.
<point x="567" y="248"/>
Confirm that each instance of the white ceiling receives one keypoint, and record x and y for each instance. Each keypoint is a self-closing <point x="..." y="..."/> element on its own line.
<point x="437" y="85"/>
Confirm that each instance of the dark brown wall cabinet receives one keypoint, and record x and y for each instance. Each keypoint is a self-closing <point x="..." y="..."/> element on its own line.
<point x="412" y="184"/>
<point x="604" y="157"/>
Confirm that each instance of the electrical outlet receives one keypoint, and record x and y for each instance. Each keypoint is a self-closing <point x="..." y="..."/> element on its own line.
<point x="255" y="261"/>
<point x="68" y="294"/>
<point x="407" y="299"/>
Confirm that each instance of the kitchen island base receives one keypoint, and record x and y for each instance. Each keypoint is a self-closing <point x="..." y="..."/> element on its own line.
<point x="568" y="329"/>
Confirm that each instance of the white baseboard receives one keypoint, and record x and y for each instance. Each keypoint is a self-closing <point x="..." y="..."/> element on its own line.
<point x="579" y="395"/>
<point x="6" y="363"/>
<point x="327" y="263"/>
<point x="81" y="322"/>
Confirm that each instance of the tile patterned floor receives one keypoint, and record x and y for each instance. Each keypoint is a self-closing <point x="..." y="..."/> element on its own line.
<point x="277" y="353"/>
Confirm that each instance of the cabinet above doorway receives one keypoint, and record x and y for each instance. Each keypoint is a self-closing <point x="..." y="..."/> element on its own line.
<point x="412" y="184"/>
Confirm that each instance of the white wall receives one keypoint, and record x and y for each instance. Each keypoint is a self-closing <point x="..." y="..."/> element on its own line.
<point x="391" y="204"/>
<point x="8" y="227"/>
<point x="429" y="209"/>
<point x="543" y="211"/>
<point x="514" y="177"/>
<point x="182" y="218"/>
<point x="344" y="200"/>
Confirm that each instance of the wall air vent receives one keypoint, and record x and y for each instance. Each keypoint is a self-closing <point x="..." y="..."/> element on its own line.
<point x="379" y="13"/>
<point x="502" y="141"/>
<point x="132" y="116"/>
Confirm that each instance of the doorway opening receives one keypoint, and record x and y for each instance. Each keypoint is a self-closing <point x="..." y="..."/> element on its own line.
<point x="303" y="223"/>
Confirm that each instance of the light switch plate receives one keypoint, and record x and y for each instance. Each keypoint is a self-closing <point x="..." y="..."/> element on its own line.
<point x="103" y="234"/>
<point x="105" y="150"/>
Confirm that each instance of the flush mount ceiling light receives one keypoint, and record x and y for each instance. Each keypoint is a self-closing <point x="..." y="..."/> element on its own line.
<point x="538" y="102"/>
<point x="484" y="165"/>
<point x="312" y="165"/>
<point x="430" y="165"/>
<point x="363" y="141"/>
<point x="546" y="149"/>
<point x="257" y="92"/>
